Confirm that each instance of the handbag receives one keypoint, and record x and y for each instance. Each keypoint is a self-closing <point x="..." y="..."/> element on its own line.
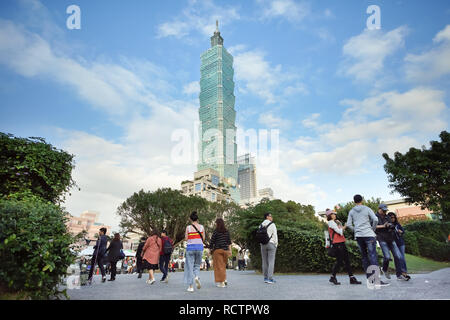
<point x="331" y="250"/>
<point x="121" y="255"/>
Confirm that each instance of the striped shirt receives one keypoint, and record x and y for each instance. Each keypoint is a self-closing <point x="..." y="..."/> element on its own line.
<point x="194" y="239"/>
<point x="220" y="240"/>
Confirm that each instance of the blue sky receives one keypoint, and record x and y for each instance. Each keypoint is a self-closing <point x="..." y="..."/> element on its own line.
<point x="115" y="91"/>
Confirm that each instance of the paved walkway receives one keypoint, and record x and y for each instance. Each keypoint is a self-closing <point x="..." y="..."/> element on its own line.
<point x="247" y="285"/>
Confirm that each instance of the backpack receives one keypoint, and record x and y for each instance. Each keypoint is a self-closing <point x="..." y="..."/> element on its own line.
<point x="261" y="234"/>
<point x="167" y="248"/>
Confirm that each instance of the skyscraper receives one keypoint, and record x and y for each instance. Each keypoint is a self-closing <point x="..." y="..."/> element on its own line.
<point x="247" y="177"/>
<point x="217" y="115"/>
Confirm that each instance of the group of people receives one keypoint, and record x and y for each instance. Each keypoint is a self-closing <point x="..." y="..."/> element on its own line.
<point x="154" y="252"/>
<point x="369" y="228"/>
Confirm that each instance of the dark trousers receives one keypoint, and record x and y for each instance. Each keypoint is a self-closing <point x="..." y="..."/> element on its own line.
<point x="139" y="266"/>
<point x="164" y="264"/>
<point x="341" y="259"/>
<point x="368" y="248"/>
<point x="100" y="265"/>
<point x="113" y="269"/>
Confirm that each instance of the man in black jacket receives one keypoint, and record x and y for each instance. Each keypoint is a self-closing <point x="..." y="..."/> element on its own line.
<point x="98" y="255"/>
<point x="138" y="256"/>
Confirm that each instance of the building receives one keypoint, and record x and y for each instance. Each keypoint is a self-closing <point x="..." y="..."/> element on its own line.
<point x="88" y="222"/>
<point x="247" y="177"/>
<point x="207" y="184"/>
<point x="407" y="212"/>
<point x="266" y="193"/>
<point x="217" y="146"/>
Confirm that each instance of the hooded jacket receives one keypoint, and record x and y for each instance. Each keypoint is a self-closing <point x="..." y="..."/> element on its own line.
<point x="363" y="221"/>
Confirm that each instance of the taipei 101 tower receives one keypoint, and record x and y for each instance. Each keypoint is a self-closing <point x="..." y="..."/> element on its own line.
<point x="217" y="148"/>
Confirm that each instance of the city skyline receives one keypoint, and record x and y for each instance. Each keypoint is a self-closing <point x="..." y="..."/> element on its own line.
<point x="113" y="92"/>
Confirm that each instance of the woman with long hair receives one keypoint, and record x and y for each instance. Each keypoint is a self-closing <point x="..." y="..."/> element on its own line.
<point x="194" y="235"/>
<point x="114" y="254"/>
<point x="220" y="245"/>
<point x="150" y="254"/>
<point x="337" y="239"/>
<point x="398" y="237"/>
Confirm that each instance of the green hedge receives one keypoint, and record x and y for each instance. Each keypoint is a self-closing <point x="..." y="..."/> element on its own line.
<point x="411" y="243"/>
<point x="34" y="247"/>
<point x="435" y="230"/>
<point x="419" y="245"/>
<point x="302" y="251"/>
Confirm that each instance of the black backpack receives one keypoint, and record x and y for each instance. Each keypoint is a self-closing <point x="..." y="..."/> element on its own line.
<point x="261" y="234"/>
<point x="167" y="249"/>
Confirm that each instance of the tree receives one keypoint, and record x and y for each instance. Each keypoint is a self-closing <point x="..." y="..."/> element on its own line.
<point x="163" y="209"/>
<point x="422" y="176"/>
<point x="34" y="165"/>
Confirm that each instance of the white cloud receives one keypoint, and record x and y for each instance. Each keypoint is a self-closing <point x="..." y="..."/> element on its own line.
<point x="387" y="122"/>
<point x="199" y="16"/>
<point x="262" y="79"/>
<point x="432" y="64"/>
<point x="271" y="121"/>
<point x="192" y="88"/>
<point x="311" y="122"/>
<point x="366" y="53"/>
<point x="293" y="11"/>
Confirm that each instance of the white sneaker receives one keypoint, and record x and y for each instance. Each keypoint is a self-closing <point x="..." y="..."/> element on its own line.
<point x="197" y="283"/>
<point x="190" y="289"/>
<point x="150" y="281"/>
<point x="221" y="285"/>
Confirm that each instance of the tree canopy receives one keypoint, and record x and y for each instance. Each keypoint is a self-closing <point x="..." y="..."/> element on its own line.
<point x="422" y="176"/>
<point x="31" y="164"/>
<point x="166" y="209"/>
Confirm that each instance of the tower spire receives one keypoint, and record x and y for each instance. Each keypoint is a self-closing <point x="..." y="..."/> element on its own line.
<point x="216" y="39"/>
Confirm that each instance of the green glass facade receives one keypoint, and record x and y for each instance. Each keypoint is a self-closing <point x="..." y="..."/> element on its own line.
<point x="217" y="115"/>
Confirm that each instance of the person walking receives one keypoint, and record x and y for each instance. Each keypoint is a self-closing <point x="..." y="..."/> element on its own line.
<point x="363" y="221"/>
<point x="98" y="255"/>
<point x="220" y="245"/>
<point x="194" y="235"/>
<point x="150" y="254"/>
<point x="398" y="237"/>
<point x="241" y="260"/>
<point x="165" y="253"/>
<point x="208" y="265"/>
<point x="114" y="255"/>
<point x="269" y="249"/>
<point x="337" y="239"/>
<point x="385" y="237"/>
<point x="139" y="256"/>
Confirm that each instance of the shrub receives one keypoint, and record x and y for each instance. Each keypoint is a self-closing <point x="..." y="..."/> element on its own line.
<point x="433" y="249"/>
<point x="302" y="251"/>
<point x="34" y="246"/>
<point x="435" y="230"/>
<point x="411" y="243"/>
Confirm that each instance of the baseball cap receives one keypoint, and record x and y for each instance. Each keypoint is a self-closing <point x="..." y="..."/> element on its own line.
<point x="383" y="207"/>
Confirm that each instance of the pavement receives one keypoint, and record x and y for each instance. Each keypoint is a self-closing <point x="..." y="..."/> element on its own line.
<point x="248" y="285"/>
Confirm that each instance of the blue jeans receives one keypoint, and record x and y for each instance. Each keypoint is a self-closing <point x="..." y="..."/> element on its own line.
<point x="368" y="248"/>
<point x="193" y="259"/>
<point x="402" y="251"/>
<point x="388" y="247"/>
<point x="164" y="264"/>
